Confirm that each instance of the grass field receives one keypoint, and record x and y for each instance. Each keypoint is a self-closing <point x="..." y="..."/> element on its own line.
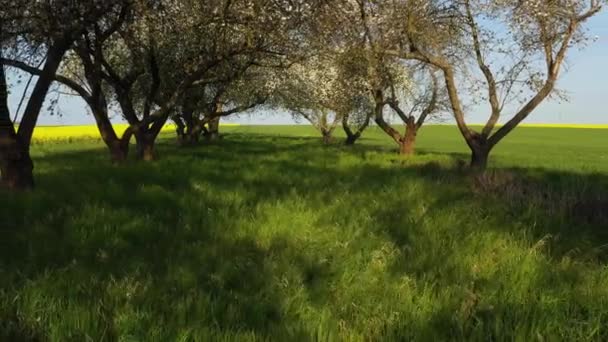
<point x="268" y="235"/>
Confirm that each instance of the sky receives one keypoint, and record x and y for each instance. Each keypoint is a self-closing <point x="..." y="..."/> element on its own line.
<point x="585" y="79"/>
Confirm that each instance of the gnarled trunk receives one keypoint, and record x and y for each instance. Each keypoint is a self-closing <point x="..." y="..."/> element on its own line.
<point x="54" y="57"/>
<point x="213" y="132"/>
<point x="480" y="151"/>
<point x="408" y="142"/>
<point x="351" y="139"/>
<point x="118" y="148"/>
<point x="479" y="157"/>
<point x="191" y="135"/>
<point x="189" y="139"/>
<point x="119" y="151"/>
<point x="16" y="165"/>
<point x="145" y="133"/>
<point x="189" y="128"/>
<point x="327" y="137"/>
<point x="379" y="118"/>
<point x="144" y="148"/>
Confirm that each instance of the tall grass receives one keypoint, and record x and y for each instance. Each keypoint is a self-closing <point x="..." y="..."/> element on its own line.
<point x="275" y="237"/>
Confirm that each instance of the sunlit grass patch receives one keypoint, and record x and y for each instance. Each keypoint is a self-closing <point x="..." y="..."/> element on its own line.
<point x="268" y="235"/>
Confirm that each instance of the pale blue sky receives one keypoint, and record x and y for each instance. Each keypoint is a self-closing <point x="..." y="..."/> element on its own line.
<point x="585" y="80"/>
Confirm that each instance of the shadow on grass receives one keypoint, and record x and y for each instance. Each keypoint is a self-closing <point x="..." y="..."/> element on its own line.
<point x="169" y="229"/>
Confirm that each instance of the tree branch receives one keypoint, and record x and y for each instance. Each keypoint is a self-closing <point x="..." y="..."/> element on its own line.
<point x="58" y="78"/>
<point x="487" y="72"/>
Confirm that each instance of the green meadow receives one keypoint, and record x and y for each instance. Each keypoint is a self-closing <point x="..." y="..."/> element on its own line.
<point x="268" y="235"/>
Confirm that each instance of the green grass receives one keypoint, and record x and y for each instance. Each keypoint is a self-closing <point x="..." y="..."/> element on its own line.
<point x="268" y="235"/>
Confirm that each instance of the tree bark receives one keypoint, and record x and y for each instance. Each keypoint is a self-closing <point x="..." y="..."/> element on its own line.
<point x="187" y="136"/>
<point x="145" y="146"/>
<point x="327" y="137"/>
<point x="180" y="129"/>
<point x="118" y="152"/>
<point x="16" y="166"/>
<point x="54" y="57"/>
<point x="408" y="142"/>
<point x="188" y="132"/>
<point x="11" y="158"/>
<point x="351" y="139"/>
<point x="190" y="139"/>
<point x="193" y="134"/>
<point x="479" y="158"/>
<point x="214" y="129"/>
<point x="118" y="148"/>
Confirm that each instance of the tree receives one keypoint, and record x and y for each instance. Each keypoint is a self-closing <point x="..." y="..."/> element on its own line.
<point x="136" y="68"/>
<point x="81" y="73"/>
<point x="312" y="90"/>
<point x="209" y="41"/>
<point x="355" y="100"/>
<point x="44" y="31"/>
<point x="517" y="47"/>
<point x="355" y="121"/>
<point x="232" y="90"/>
<point x="413" y="103"/>
<point x="364" y="31"/>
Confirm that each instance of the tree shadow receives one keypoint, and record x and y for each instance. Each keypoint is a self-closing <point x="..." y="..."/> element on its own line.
<point x="170" y="229"/>
<point x="557" y="223"/>
<point x="120" y="254"/>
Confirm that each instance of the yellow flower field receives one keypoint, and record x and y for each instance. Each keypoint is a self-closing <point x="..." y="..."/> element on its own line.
<point x="90" y="131"/>
<point x="84" y="131"/>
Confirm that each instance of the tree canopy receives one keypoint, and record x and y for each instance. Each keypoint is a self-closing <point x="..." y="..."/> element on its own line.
<point x="331" y="62"/>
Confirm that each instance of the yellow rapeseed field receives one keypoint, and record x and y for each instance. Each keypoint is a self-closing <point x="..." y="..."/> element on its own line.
<point x="42" y="133"/>
<point x="45" y="133"/>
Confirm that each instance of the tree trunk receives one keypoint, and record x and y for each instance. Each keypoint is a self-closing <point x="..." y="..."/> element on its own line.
<point x="180" y="130"/>
<point x="16" y="165"/>
<point x="214" y="129"/>
<point x="327" y="138"/>
<point x="54" y="57"/>
<point x="16" y="168"/>
<point x="190" y="136"/>
<point x="183" y="139"/>
<point x="479" y="157"/>
<point x="188" y="127"/>
<point x="118" y="152"/>
<point x="194" y="132"/>
<point x="118" y="148"/>
<point x="408" y="143"/>
<point x="351" y="139"/>
<point x="145" y="147"/>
